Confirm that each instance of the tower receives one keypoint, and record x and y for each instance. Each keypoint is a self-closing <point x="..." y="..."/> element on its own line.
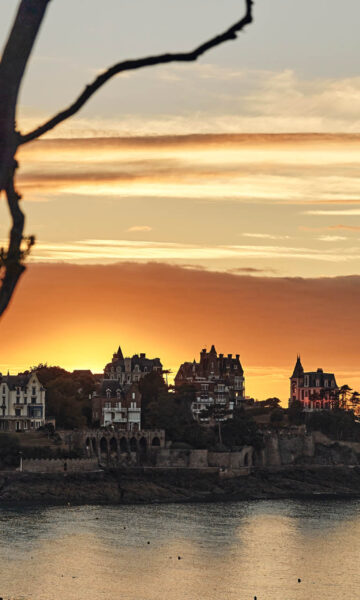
<point x="296" y="381"/>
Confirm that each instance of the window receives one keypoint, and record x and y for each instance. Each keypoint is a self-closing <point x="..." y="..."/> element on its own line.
<point x="107" y="404"/>
<point x="33" y="391"/>
<point x="17" y="412"/>
<point x="133" y="395"/>
<point x="108" y="393"/>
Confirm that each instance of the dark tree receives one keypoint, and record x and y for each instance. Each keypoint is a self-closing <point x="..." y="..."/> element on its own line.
<point x="14" y="60"/>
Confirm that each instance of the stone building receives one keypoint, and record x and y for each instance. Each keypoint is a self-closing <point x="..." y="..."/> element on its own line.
<point x="315" y="390"/>
<point x="22" y="402"/>
<point x="130" y="370"/>
<point x="118" y="399"/>
<point x="218" y="380"/>
<point x="117" y="404"/>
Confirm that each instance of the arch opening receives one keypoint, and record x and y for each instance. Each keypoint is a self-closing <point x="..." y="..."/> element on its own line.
<point x="133" y="445"/>
<point x="124" y="445"/>
<point x="113" y="446"/>
<point x="103" y="446"/>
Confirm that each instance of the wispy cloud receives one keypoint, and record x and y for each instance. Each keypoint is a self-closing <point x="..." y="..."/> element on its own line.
<point x="350" y="228"/>
<point x="271" y="101"/>
<point x="344" y="212"/>
<point x="139" y="228"/>
<point x="331" y="238"/>
<point x="95" y="251"/>
<point x="266" y="236"/>
<point x="262" y="169"/>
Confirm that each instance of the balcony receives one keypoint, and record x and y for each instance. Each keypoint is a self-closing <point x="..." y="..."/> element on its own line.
<point x="114" y="410"/>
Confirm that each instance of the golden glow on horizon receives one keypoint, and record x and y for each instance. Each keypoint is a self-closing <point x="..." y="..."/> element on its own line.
<point x="76" y="317"/>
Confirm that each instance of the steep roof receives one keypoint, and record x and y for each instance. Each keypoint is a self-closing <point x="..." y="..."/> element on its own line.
<point x="298" y="369"/>
<point x="319" y="377"/>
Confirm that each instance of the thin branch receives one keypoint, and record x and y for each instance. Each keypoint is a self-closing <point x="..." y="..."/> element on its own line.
<point x="131" y="65"/>
<point x="11" y="261"/>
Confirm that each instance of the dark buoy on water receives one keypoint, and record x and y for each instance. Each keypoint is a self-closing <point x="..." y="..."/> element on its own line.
<point x="179" y="557"/>
<point x="148" y="542"/>
<point x="299" y="580"/>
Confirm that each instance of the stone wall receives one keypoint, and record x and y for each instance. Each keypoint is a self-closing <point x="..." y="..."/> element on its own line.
<point x="232" y="460"/>
<point x="57" y="465"/>
<point x="286" y="448"/>
<point x="193" y="459"/>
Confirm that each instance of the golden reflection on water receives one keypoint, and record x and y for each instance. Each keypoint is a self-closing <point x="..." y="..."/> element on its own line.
<point x="228" y="551"/>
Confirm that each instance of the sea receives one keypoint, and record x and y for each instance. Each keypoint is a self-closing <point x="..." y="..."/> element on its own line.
<point x="268" y="550"/>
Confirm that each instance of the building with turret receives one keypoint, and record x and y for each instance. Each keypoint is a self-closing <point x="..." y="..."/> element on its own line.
<point x="130" y="370"/>
<point x="118" y="399"/>
<point x="315" y="390"/>
<point x="218" y="380"/>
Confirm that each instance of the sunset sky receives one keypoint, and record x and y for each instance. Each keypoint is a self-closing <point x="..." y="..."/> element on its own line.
<point x="216" y="202"/>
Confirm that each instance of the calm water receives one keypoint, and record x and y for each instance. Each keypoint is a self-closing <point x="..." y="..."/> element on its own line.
<point x="228" y="551"/>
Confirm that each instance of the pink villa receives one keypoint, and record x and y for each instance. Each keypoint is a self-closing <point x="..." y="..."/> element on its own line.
<point x="315" y="390"/>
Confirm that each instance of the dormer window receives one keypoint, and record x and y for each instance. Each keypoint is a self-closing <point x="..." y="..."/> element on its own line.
<point x="108" y="393"/>
<point x="118" y="394"/>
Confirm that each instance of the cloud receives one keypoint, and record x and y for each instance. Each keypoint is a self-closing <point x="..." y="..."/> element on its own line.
<point x="354" y="228"/>
<point x="344" y="212"/>
<point x="271" y="101"/>
<point x="266" y="236"/>
<point x="139" y="228"/>
<point x="331" y="238"/>
<point x="250" y="271"/>
<point x="104" y="251"/>
<point x="283" y="169"/>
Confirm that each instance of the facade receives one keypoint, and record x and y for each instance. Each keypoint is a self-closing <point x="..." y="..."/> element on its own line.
<point x="315" y="390"/>
<point x="117" y="404"/>
<point x="118" y="400"/>
<point x="219" y="383"/>
<point x="22" y="402"/>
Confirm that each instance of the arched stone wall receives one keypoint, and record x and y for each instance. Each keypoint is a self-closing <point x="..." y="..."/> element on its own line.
<point x="101" y="442"/>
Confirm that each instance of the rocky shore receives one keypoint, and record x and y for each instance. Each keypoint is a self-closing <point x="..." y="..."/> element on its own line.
<point x="144" y="486"/>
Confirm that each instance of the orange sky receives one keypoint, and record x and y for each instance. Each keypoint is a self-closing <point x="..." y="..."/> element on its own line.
<point x="75" y="316"/>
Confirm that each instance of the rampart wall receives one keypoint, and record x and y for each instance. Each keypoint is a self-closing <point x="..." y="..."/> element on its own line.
<point x="59" y="466"/>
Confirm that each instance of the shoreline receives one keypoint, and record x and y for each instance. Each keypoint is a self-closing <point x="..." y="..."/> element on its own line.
<point x="152" y="486"/>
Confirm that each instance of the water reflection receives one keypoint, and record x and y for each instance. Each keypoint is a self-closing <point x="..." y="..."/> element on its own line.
<point x="232" y="551"/>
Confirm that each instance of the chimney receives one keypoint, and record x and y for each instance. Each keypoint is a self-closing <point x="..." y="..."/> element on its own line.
<point x="237" y="356"/>
<point x="229" y="355"/>
<point x="221" y="356"/>
<point x="142" y="355"/>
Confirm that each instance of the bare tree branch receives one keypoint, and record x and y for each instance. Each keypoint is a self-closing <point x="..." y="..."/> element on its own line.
<point x="13" y="63"/>
<point x="11" y="261"/>
<point x="131" y="65"/>
<point x="12" y="68"/>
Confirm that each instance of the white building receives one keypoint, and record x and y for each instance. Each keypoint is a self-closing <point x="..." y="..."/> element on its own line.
<point x="22" y="402"/>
